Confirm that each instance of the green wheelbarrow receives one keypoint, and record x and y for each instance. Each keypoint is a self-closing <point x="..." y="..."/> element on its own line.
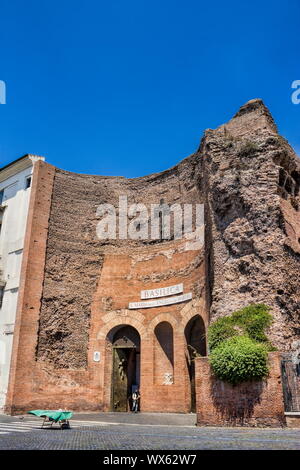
<point x="53" y="417"/>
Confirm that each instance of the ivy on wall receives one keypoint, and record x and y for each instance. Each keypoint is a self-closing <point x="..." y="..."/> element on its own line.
<point x="239" y="346"/>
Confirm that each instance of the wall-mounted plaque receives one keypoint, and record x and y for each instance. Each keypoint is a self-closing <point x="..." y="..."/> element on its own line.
<point x="162" y="291"/>
<point x="168" y="379"/>
<point x="97" y="356"/>
<point x="160" y="302"/>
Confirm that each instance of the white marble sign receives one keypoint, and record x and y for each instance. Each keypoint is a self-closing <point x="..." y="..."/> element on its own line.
<point x="168" y="379"/>
<point x="161" y="292"/>
<point x="160" y="302"/>
<point x="97" y="356"/>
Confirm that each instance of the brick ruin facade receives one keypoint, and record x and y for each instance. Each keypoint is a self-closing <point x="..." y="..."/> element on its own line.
<point x="76" y="289"/>
<point x="247" y="404"/>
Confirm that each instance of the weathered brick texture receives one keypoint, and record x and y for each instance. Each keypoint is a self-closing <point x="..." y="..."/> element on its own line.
<point x="248" y="404"/>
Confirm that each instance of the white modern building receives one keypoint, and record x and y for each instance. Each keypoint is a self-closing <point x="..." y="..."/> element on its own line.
<point x="15" y="187"/>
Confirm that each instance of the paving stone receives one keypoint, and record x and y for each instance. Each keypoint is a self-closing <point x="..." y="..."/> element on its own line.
<point x="109" y="436"/>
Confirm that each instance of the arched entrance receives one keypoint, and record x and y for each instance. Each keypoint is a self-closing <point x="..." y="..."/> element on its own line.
<point x="125" y="342"/>
<point x="196" y="345"/>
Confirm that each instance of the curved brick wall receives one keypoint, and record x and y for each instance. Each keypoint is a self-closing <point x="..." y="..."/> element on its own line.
<point x="76" y="288"/>
<point x="75" y="256"/>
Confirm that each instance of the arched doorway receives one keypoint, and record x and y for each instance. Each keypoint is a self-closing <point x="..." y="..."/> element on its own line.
<point x="196" y="346"/>
<point x="125" y="341"/>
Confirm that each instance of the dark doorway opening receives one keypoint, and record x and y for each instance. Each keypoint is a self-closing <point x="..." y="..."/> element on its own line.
<point x="125" y="367"/>
<point x="196" y="346"/>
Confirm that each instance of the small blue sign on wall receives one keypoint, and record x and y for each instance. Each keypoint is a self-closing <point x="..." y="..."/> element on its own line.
<point x="2" y="92"/>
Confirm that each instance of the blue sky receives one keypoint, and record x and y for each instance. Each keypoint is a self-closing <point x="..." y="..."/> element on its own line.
<point x="128" y="87"/>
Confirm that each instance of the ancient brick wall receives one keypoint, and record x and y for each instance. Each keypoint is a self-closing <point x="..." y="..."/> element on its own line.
<point x="75" y="255"/>
<point x="85" y="288"/>
<point x="251" y="181"/>
<point x="26" y="328"/>
<point x="247" y="404"/>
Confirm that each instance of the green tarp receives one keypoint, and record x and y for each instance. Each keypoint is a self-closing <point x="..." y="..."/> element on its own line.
<point x="55" y="415"/>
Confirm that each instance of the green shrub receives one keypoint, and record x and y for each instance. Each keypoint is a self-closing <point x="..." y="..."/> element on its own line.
<point x="219" y="331"/>
<point x="250" y="321"/>
<point x="254" y="320"/>
<point x="239" y="359"/>
<point x="239" y="345"/>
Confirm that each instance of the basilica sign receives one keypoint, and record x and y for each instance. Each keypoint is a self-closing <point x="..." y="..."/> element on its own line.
<point x="162" y="292"/>
<point x="160" y="302"/>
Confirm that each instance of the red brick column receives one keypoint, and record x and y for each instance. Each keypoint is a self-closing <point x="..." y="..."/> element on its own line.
<point x="248" y="404"/>
<point x="21" y="381"/>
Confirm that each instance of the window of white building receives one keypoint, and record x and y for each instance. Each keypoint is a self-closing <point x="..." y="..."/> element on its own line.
<point x="28" y="182"/>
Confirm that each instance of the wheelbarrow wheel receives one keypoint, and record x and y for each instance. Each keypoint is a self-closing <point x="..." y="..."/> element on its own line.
<point x="65" y="425"/>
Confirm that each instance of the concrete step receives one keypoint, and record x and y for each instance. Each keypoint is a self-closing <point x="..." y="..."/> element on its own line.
<point x="168" y="419"/>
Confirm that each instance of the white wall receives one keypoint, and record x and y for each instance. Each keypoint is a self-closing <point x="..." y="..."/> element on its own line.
<point x="16" y="200"/>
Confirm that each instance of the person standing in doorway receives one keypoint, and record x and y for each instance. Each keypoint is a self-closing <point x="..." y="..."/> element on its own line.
<point x="135" y="401"/>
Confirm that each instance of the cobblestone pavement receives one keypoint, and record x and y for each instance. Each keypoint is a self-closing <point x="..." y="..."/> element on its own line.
<point x="93" y="434"/>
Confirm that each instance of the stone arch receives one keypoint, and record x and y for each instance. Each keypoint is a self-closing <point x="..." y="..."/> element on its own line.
<point x="122" y="353"/>
<point x="163" y="317"/>
<point x="113" y="320"/>
<point x="195" y="335"/>
<point x="126" y="317"/>
<point x="126" y="334"/>
<point x="196" y="307"/>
